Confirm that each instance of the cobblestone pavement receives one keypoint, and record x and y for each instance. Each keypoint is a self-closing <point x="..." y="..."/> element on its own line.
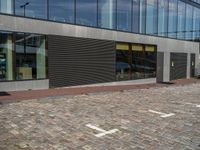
<point x="59" y="123"/>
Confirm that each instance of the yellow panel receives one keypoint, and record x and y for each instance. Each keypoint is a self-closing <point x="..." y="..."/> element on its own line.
<point x="149" y="48"/>
<point x="137" y="48"/>
<point x="122" y="46"/>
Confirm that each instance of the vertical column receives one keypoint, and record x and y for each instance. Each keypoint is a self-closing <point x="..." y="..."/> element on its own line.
<point x="9" y="61"/>
<point x="40" y="58"/>
<point x="188" y="65"/>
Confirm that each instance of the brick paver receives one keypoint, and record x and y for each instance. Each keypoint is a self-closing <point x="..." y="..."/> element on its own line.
<point x="59" y="123"/>
<point x="23" y="95"/>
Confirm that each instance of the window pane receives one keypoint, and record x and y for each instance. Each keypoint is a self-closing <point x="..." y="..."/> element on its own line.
<point x="196" y="24"/>
<point x="142" y="16"/>
<point x="6" y="6"/>
<point x="122" y="65"/>
<point x="31" y="8"/>
<point x="189" y="13"/>
<point x="106" y="14"/>
<point x="136" y="15"/>
<point x="152" y="17"/>
<point x="137" y="62"/>
<point x="6" y="56"/>
<point x="181" y="20"/>
<point x="172" y="18"/>
<point x="124" y="15"/>
<point x="86" y="12"/>
<point x="162" y="17"/>
<point x="30" y="56"/>
<point x="61" y="10"/>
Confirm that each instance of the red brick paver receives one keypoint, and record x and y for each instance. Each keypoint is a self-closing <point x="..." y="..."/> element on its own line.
<point x="34" y="94"/>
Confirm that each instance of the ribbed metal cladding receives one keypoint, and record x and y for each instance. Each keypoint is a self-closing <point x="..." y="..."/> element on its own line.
<point x="79" y="61"/>
<point x="178" y="66"/>
<point x="192" y="65"/>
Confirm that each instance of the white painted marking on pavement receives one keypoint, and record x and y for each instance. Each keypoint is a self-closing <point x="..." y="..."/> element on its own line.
<point x="163" y="115"/>
<point x="196" y="105"/>
<point x="102" y="131"/>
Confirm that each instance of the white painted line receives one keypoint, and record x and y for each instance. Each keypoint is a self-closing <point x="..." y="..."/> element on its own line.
<point x="107" y="132"/>
<point x="196" y="105"/>
<point x="95" y="128"/>
<point x="167" y="115"/>
<point x="157" y="112"/>
<point x="102" y="131"/>
<point x="163" y="115"/>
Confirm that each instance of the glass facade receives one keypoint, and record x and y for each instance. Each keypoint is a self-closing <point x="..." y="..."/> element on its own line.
<point x="167" y="18"/>
<point x="6" y="6"/>
<point x="6" y="56"/>
<point x="86" y="12"/>
<point x="61" y="10"/>
<point x="135" y="61"/>
<point x="124" y="11"/>
<point x="22" y="56"/>
<point x="31" y="8"/>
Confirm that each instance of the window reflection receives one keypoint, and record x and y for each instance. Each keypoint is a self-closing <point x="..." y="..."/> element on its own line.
<point x="162" y="17"/>
<point x="61" y="10"/>
<point x="86" y="12"/>
<point x="6" y="6"/>
<point x="181" y="20"/>
<point x="6" y="55"/>
<point x="31" y="8"/>
<point x="124" y="15"/>
<point x="107" y="14"/>
<point x="30" y="56"/>
<point x="172" y="19"/>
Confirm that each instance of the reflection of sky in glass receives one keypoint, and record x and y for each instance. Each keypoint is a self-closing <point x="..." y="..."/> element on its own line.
<point x="86" y="12"/>
<point x="35" y="8"/>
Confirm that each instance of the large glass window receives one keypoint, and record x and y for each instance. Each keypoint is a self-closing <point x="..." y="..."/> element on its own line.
<point x="31" y="8"/>
<point x="189" y="21"/>
<point x="86" y="12"/>
<point x="30" y="56"/>
<point x="6" y="6"/>
<point x="135" y="61"/>
<point x="123" y="68"/>
<point x="136" y="16"/>
<point x="181" y="20"/>
<point x="61" y="10"/>
<point x="150" y="59"/>
<point x="172" y="22"/>
<point x="138" y="70"/>
<point x="152" y="17"/>
<point x="124" y="15"/>
<point x="162" y="17"/>
<point x="6" y="56"/>
<point x="143" y="16"/>
<point x="196" y="23"/>
<point x="107" y="14"/>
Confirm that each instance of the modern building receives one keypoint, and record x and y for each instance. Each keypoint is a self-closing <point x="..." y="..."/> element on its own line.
<point x="56" y="43"/>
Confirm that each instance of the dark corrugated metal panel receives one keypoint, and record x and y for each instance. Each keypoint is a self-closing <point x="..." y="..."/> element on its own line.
<point x="192" y="65"/>
<point x="78" y="61"/>
<point x="179" y="70"/>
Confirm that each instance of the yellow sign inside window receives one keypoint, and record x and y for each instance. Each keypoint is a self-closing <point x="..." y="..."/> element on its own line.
<point x="149" y="48"/>
<point x="122" y="46"/>
<point x="136" y="47"/>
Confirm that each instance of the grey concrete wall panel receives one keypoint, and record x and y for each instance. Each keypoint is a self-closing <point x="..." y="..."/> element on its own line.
<point x="166" y="70"/>
<point x="24" y="85"/>
<point x="192" y="65"/>
<point x="178" y="65"/>
<point x="79" y="61"/>
<point x="160" y="66"/>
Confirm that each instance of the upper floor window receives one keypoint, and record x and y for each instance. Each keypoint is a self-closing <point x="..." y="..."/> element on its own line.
<point x="61" y="10"/>
<point x="6" y="6"/>
<point x="86" y="12"/>
<point x="31" y="8"/>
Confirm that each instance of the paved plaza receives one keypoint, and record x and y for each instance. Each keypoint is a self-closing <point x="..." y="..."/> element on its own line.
<point x="161" y="118"/>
